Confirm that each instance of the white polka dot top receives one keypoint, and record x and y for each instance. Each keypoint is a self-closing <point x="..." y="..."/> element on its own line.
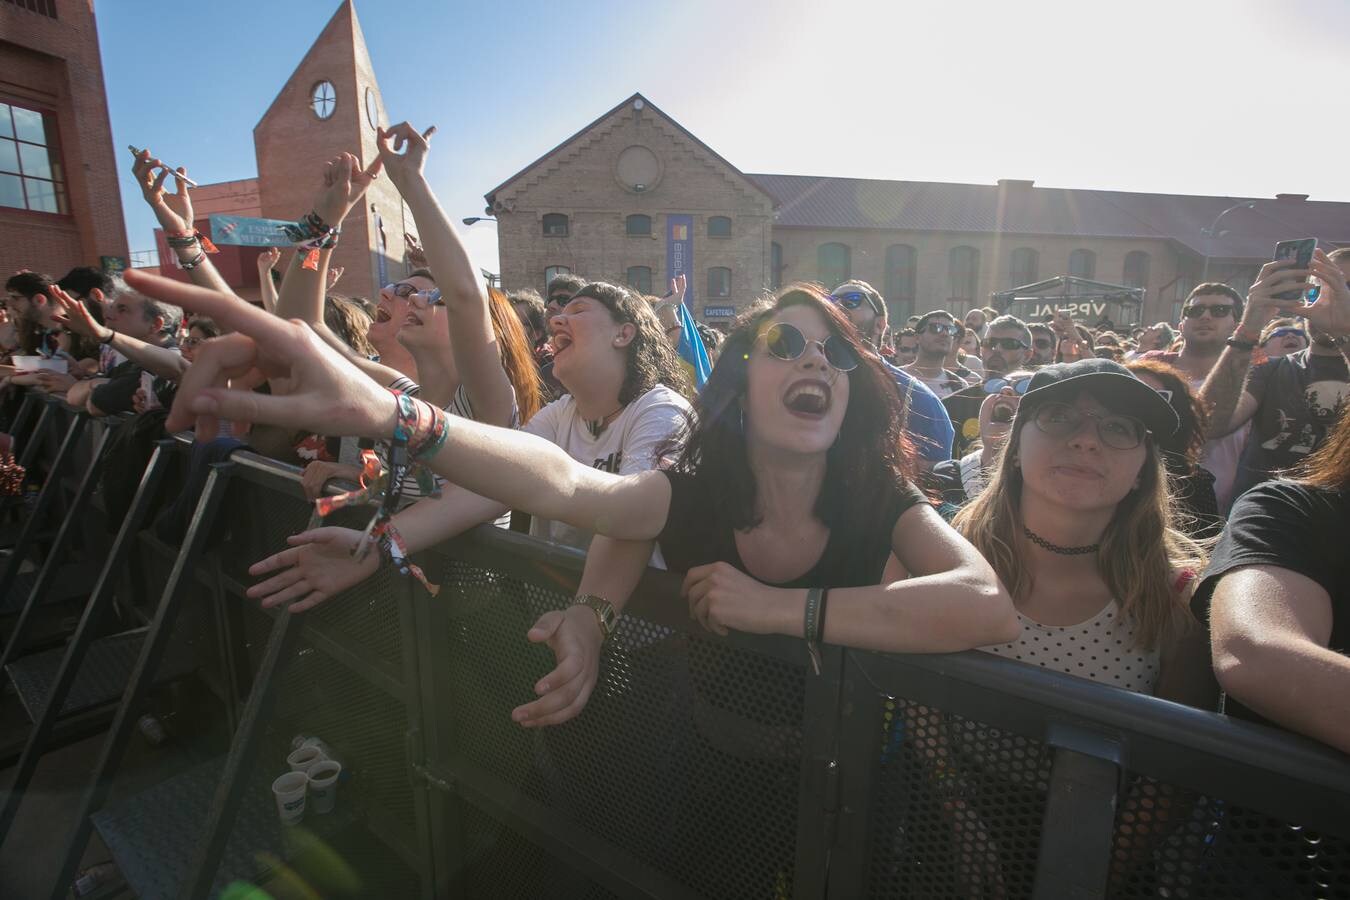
<point x="1102" y="649"/>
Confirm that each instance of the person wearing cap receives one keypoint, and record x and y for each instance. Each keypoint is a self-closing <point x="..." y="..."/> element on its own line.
<point x="926" y="422"/>
<point x="1078" y="523"/>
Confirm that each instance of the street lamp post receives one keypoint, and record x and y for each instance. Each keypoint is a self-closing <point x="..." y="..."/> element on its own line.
<point x="1213" y="232"/>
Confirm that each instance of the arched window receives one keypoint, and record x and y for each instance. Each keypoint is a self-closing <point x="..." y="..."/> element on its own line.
<point x="775" y="265"/>
<point x="1025" y="263"/>
<point x="555" y="225"/>
<point x="640" y="278"/>
<point x="553" y="272"/>
<point x="719" y="282"/>
<point x="901" y="260"/>
<point x="1083" y="263"/>
<point x="834" y="265"/>
<point x="963" y="273"/>
<point x="719" y="226"/>
<point x="639" y="226"/>
<point x="1136" y="269"/>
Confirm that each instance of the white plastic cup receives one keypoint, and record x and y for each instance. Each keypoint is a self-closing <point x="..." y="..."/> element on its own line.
<point x="300" y="760"/>
<point x="301" y="740"/>
<point x="289" y="792"/>
<point x="323" y="776"/>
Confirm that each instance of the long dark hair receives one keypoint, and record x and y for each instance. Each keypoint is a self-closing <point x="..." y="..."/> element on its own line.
<point x="650" y="358"/>
<point x="1188" y="441"/>
<point x="868" y="462"/>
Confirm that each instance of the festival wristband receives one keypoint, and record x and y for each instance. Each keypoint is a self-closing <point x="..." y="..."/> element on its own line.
<point x="422" y="426"/>
<point x="185" y="239"/>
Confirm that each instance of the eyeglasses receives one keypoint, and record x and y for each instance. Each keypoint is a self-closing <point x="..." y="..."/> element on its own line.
<point x="1215" y="310"/>
<point x="403" y="289"/>
<point x="1286" y="332"/>
<point x="994" y="385"/>
<point x="1062" y="420"/>
<point x="430" y="298"/>
<point x="952" y="330"/>
<point x="784" y="341"/>
<point x="1006" y="343"/>
<point x="854" y="299"/>
<point x="558" y="299"/>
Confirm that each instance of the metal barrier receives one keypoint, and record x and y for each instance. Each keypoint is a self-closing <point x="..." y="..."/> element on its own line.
<point x="701" y="767"/>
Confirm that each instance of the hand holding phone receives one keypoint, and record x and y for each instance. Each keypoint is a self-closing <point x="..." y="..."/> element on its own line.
<point x="1301" y="252"/>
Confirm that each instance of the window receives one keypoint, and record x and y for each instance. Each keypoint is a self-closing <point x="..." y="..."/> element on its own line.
<point x="719" y="226"/>
<point x="639" y="226"/>
<point x="834" y="265"/>
<point x="31" y="176"/>
<point x="555" y="225"/>
<point x="323" y="99"/>
<point x="1136" y="269"/>
<point x="1025" y="263"/>
<point x="900" y="269"/>
<point x="45" y="7"/>
<point x="640" y="278"/>
<point x="719" y="282"/>
<point x="1083" y="263"/>
<point x="963" y="273"/>
<point x="553" y="272"/>
<point x="775" y="265"/>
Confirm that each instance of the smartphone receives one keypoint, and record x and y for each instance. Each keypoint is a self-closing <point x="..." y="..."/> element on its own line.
<point x="1301" y="251"/>
<point x="172" y="173"/>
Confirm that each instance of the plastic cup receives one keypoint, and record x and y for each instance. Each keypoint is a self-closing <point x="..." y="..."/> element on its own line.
<point x="300" y="760"/>
<point x="289" y="792"/>
<point x="323" y="776"/>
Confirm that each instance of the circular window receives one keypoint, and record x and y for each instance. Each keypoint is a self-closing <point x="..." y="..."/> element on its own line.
<point x="638" y="169"/>
<point x="323" y="99"/>
<point x="372" y="109"/>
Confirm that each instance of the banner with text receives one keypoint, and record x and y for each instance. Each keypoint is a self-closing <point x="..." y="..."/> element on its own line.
<point x="242" y="231"/>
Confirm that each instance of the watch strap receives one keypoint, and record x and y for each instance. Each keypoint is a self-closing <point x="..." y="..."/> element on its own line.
<point x="605" y="615"/>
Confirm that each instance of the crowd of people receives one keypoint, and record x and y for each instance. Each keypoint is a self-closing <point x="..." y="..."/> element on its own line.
<point x="1155" y="508"/>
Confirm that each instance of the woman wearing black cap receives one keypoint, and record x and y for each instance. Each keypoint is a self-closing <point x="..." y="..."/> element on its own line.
<point x="1078" y="524"/>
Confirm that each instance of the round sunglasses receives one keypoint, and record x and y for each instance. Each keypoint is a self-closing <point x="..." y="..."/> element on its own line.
<point x="786" y="342"/>
<point x="1019" y="387"/>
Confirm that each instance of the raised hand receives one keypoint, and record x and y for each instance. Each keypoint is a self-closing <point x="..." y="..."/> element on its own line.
<point x="326" y="393"/>
<point x="417" y="257"/>
<point x="1277" y="277"/>
<point x="334" y="273"/>
<point x="678" y="285"/>
<point x="76" y="317"/>
<point x="267" y="260"/>
<point x="174" y="211"/>
<point x="344" y="183"/>
<point x="1330" y="312"/>
<point x="318" y="566"/>
<point x="574" y="637"/>
<point x="404" y="152"/>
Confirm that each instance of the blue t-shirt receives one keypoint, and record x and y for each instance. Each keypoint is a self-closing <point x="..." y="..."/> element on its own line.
<point x="927" y="423"/>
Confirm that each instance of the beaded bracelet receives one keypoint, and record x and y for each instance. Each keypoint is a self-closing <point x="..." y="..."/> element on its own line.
<point x="185" y="239"/>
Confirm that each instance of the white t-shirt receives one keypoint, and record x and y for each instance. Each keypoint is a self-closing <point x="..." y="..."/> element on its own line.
<point x="627" y="445"/>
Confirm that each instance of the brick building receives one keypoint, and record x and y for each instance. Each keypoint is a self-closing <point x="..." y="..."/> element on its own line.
<point x="330" y="103"/>
<point x="590" y="204"/>
<point x="59" y="200"/>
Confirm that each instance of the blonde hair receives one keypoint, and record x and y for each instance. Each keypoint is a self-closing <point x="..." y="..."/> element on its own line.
<point x="1143" y="549"/>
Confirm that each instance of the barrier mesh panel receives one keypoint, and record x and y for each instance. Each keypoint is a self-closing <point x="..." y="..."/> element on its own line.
<point x="688" y="754"/>
<point x="957" y="807"/>
<point x="1173" y="842"/>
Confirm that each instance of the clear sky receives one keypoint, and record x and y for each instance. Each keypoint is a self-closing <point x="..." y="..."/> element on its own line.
<point x="1238" y="97"/>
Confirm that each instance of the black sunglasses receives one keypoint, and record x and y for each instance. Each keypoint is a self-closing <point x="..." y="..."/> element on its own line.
<point x="560" y="299"/>
<point x="786" y="342"/>
<point x="1215" y="310"/>
<point x="941" y="328"/>
<point x="1006" y="343"/>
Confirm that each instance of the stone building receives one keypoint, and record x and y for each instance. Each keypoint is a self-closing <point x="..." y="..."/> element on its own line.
<point x="598" y="205"/>
<point x="59" y="202"/>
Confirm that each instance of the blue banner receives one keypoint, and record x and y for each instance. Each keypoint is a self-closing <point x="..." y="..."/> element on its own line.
<point x="680" y="261"/>
<point x="242" y="231"/>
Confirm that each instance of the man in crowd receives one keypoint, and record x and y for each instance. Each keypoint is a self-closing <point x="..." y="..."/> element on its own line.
<point x="926" y="422"/>
<point x="906" y="346"/>
<point x="1007" y="348"/>
<point x="937" y="332"/>
<point x="26" y="297"/>
<point x="560" y="290"/>
<point x="1208" y="317"/>
<point x="141" y="319"/>
<point x="1292" y="401"/>
<point x="1043" y="342"/>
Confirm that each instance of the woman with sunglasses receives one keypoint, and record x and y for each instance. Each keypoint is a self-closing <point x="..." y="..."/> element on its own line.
<point x="962" y="479"/>
<point x="1078" y="522"/>
<point x="792" y="481"/>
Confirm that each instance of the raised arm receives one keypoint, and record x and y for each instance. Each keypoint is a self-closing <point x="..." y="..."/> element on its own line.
<point x="331" y="396"/>
<point x="473" y="342"/>
<point x="155" y="359"/>
<point x="267" y="288"/>
<point x="175" y="215"/>
<point x="1269" y="632"/>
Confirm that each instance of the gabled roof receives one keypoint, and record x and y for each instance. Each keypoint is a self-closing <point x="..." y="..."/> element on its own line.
<point x="346" y="28"/>
<point x="1021" y="208"/>
<point x="647" y="104"/>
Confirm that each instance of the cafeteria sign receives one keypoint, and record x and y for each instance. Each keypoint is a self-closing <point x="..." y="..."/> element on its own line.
<point x="242" y="231"/>
<point x="719" y="312"/>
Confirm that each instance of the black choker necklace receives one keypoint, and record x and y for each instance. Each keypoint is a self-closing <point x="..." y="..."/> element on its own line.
<point x="1056" y="548"/>
<point x="597" y="426"/>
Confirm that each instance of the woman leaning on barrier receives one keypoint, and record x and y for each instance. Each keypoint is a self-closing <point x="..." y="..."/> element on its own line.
<point x="806" y="429"/>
